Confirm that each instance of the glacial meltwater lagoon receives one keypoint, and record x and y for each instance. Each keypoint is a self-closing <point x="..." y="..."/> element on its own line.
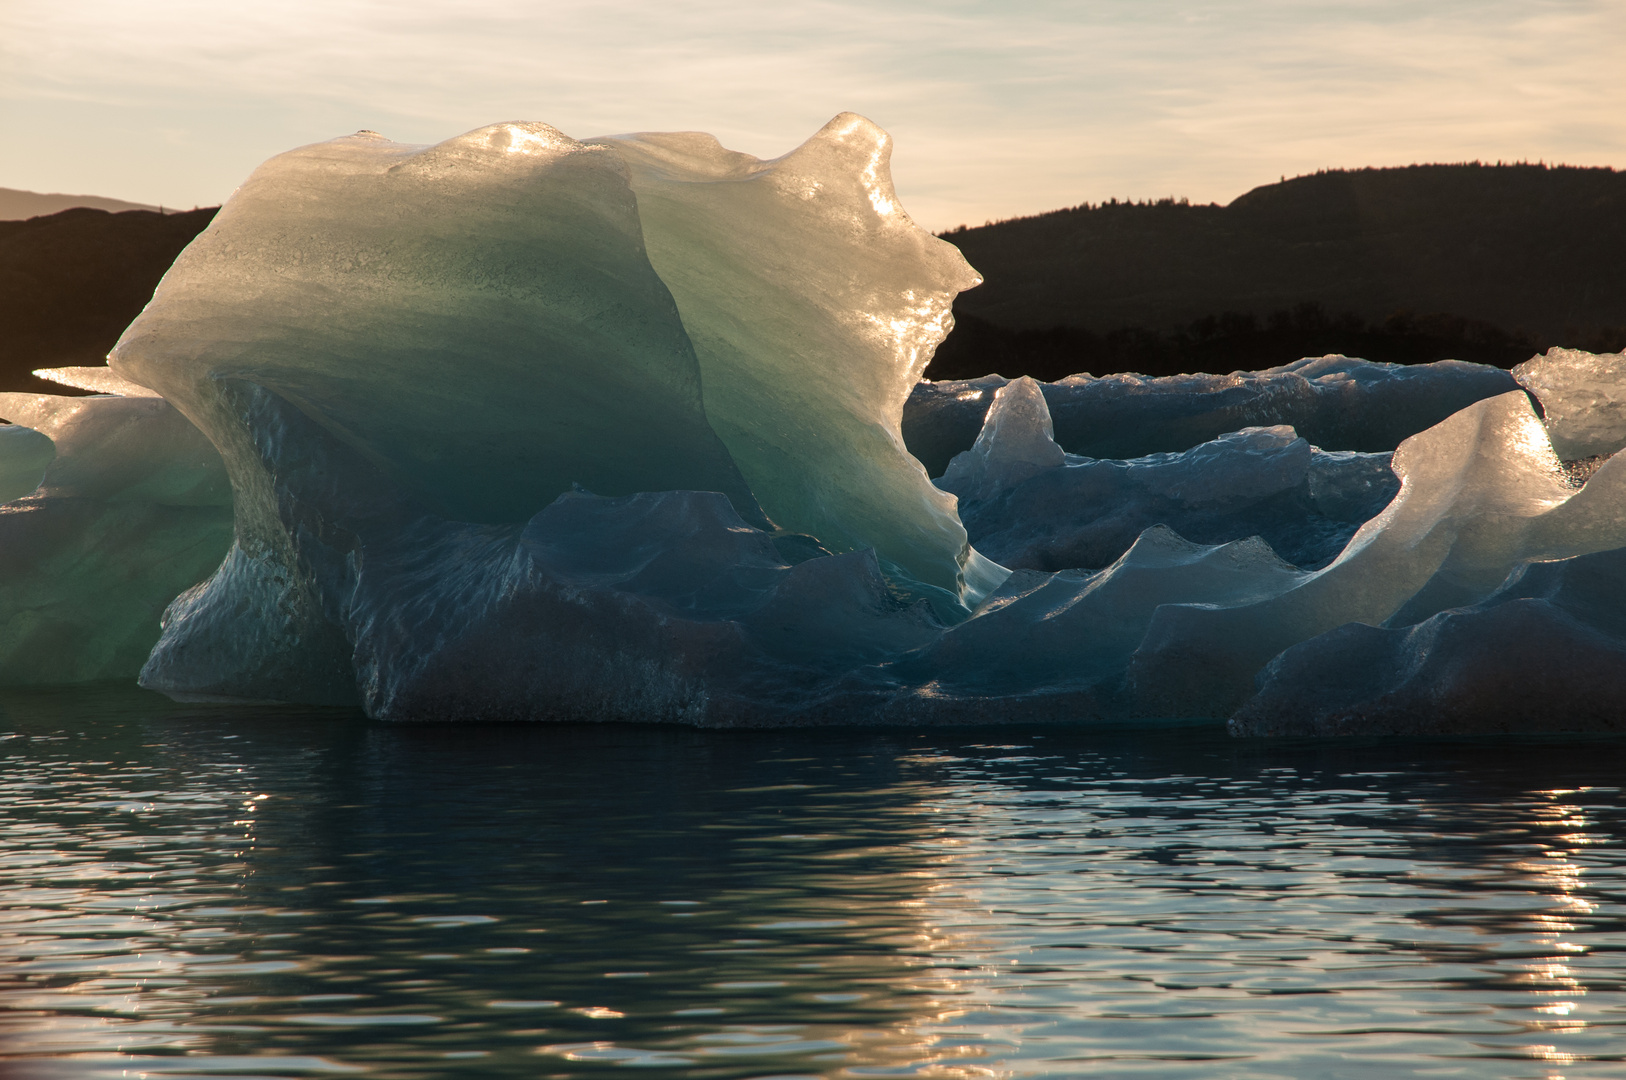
<point x="200" y="891"/>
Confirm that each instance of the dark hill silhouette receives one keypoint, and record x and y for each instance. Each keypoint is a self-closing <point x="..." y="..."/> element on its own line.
<point x="1491" y="263"/>
<point x="1477" y="262"/>
<point x="71" y="282"/>
<point x="16" y="204"/>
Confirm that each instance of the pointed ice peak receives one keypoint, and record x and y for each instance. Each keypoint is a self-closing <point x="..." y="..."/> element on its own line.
<point x="1018" y="428"/>
<point x="98" y="380"/>
<point x="1017" y="441"/>
<point x="852" y="147"/>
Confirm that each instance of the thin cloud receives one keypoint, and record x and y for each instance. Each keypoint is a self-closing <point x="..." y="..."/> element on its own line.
<point x="997" y="109"/>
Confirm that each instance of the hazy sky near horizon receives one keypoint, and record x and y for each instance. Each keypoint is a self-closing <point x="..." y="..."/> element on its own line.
<point x="997" y="109"/>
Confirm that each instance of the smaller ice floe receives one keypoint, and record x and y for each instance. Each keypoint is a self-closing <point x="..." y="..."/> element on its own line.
<point x="1545" y="652"/>
<point x="1028" y="505"/>
<point x="1480" y="493"/>
<point x="1583" y="400"/>
<point x="114" y="505"/>
<point x="24" y="456"/>
<point x="1335" y="402"/>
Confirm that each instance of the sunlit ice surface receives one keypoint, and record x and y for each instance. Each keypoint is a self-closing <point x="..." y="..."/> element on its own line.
<point x="279" y="892"/>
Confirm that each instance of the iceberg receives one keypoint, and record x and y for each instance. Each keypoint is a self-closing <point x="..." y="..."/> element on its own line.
<point x="478" y="317"/>
<point x="481" y="320"/>
<point x="521" y="427"/>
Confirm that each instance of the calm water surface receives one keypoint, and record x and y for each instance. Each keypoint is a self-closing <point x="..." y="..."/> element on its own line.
<point x="197" y="891"/>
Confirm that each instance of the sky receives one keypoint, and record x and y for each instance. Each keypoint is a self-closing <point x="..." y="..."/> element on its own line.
<point x="996" y="110"/>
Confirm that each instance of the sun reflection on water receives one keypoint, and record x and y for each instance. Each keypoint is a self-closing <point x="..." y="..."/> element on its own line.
<point x="319" y="896"/>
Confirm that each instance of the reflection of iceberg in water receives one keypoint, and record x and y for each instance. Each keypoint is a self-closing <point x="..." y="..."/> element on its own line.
<point x="333" y="896"/>
<point x="306" y="893"/>
<point x="520" y="427"/>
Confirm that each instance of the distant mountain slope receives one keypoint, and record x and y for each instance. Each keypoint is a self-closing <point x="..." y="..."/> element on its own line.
<point x="1472" y="262"/>
<point x="71" y="282"/>
<point x="1486" y="259"/>
<point x="17" y="205"/>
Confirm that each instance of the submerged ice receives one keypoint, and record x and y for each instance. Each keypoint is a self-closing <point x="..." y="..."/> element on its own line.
<point x="523" y="427"/>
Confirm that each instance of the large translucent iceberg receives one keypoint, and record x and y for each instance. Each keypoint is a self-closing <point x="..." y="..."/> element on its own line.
<point x="477" y="317"/>
<point x="480" y="320"/>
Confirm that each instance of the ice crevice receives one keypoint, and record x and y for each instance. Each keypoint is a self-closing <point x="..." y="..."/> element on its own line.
<point x="523" y="427"/>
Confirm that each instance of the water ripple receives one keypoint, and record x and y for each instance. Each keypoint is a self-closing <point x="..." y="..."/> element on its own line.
<point x="188" y="891"/>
